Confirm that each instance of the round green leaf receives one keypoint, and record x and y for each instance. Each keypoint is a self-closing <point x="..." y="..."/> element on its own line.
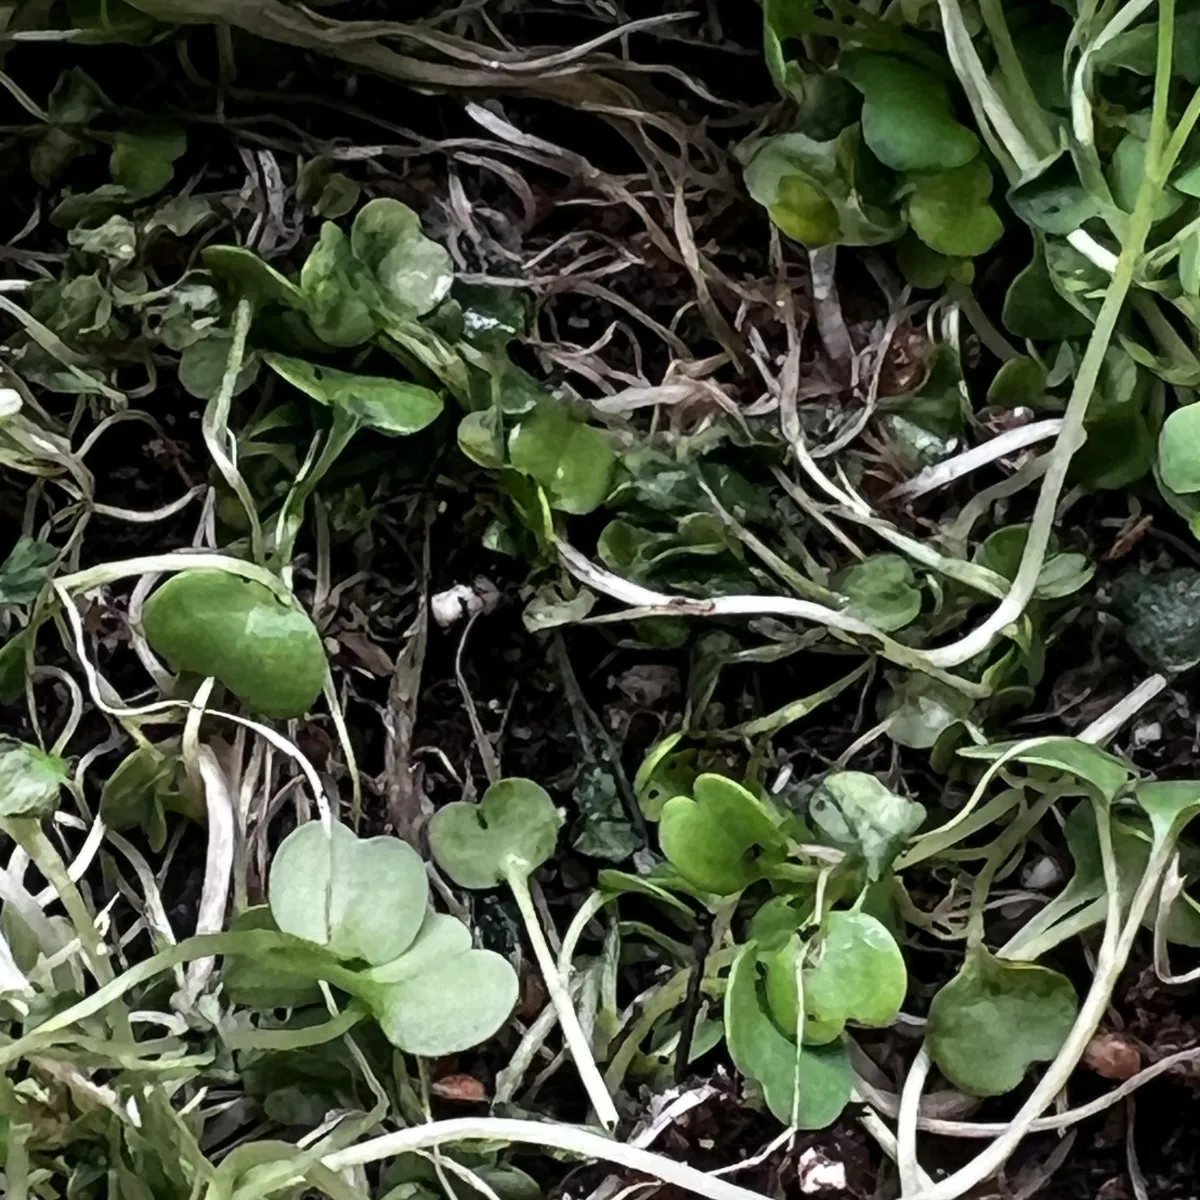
<point x="907" y="118"/>
<point x="882" y="591"/>
<point x="361" y="899"/>
<point x="388" y="405"/>
<point x="512" y="830"/>
<point x="995" y="1018"/>
<point x="855" y="972"/>
<point x="1179" y="450"/>
<point x="863" y="816"/>
<point x="131" y="797"/>
<point x="30" y="779"/>
<point x="809" y="1085"/>
<point x="949" y="211"/>
<point x="719" y="840"/>
<point x="202" y="367"/>
<point x="337" y="291"/>
<point x="413" y="272"/>
<point x="267" y="653"/>
<point x="572" y="461"/>
<point x="442" y="996"/>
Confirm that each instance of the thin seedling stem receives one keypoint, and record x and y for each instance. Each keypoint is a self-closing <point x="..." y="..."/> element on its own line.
<point x="573" y="1035"/>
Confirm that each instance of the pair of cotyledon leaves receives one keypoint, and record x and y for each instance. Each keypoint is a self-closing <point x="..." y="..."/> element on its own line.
<point x="723" y="838"/>
<point x="367" y="902"/>
<point x="854" y="971"/>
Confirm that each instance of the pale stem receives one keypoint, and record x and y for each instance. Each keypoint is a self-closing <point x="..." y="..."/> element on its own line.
<point x="576" y="1040"/>
<point x="570" y="1138"/>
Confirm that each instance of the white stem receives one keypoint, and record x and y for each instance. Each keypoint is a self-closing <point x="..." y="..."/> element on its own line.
<point x="573" y="1035"/>
<point x="218" y="864"/>
<point x="912" y="1178"/>
<point x="954" y="468"/>
<point x="570" y="1138"/>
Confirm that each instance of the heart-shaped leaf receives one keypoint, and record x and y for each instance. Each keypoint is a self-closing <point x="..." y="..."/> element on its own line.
<point x="413" y="273"/>
<point x="511" y="831"/>
<point x="995" y="1018"/>
<point x="264" y="651"/>
<point x="572" y="461"/>
<point x="949" y="211"/>
<point x="338" y="291"/>
<point x="859" y="814"/>
<point x="808" y="1085"/>
<point x="720" y="839"/>
<point x="441" y="996"/>
<point x="907" y="118"/>
<point x="855" y="972"/>
<point x="30" y="779"/>
<point x="388" y="405"/>
<point x="359" y="898"/>
<point x="882" y="591"/>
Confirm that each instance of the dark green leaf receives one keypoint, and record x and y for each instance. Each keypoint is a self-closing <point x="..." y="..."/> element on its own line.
<point x="907" y="117"/>
<point x="949" y="211"/>
<point x="143" y="158"/>
<point x="25" y="571"/>
<point x="387" y="405"/>
<point x="572" y="461"/>
<point x="882" y="591"/>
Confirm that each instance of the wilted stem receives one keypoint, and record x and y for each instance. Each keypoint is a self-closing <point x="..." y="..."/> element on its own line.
<point x="577" y="1041"/>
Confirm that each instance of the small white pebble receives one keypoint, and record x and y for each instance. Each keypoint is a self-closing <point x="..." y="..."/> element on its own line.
<point x="817" y="1173"/>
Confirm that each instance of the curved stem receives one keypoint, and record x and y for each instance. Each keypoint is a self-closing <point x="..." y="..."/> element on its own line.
<point x="573" y="1035"/>
<point x="570" y="1138"/>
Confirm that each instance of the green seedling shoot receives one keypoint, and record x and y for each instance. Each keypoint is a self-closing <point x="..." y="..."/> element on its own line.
<point x="365" y="904"/>
<point x="503" y="840"/>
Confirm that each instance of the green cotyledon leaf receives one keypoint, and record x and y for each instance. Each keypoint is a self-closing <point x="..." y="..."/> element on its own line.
<point x="994" y="1019"/>
<point x="360" y="898"/>
<point x="513" y="829"/>
<point x="854" y="972"/>
<point x="907" y="120"/>
<point x="721" y="836"/>
<point x="807" y="1086"/>
<point x="30" y="779"/>
<point x="267" y="653"/>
